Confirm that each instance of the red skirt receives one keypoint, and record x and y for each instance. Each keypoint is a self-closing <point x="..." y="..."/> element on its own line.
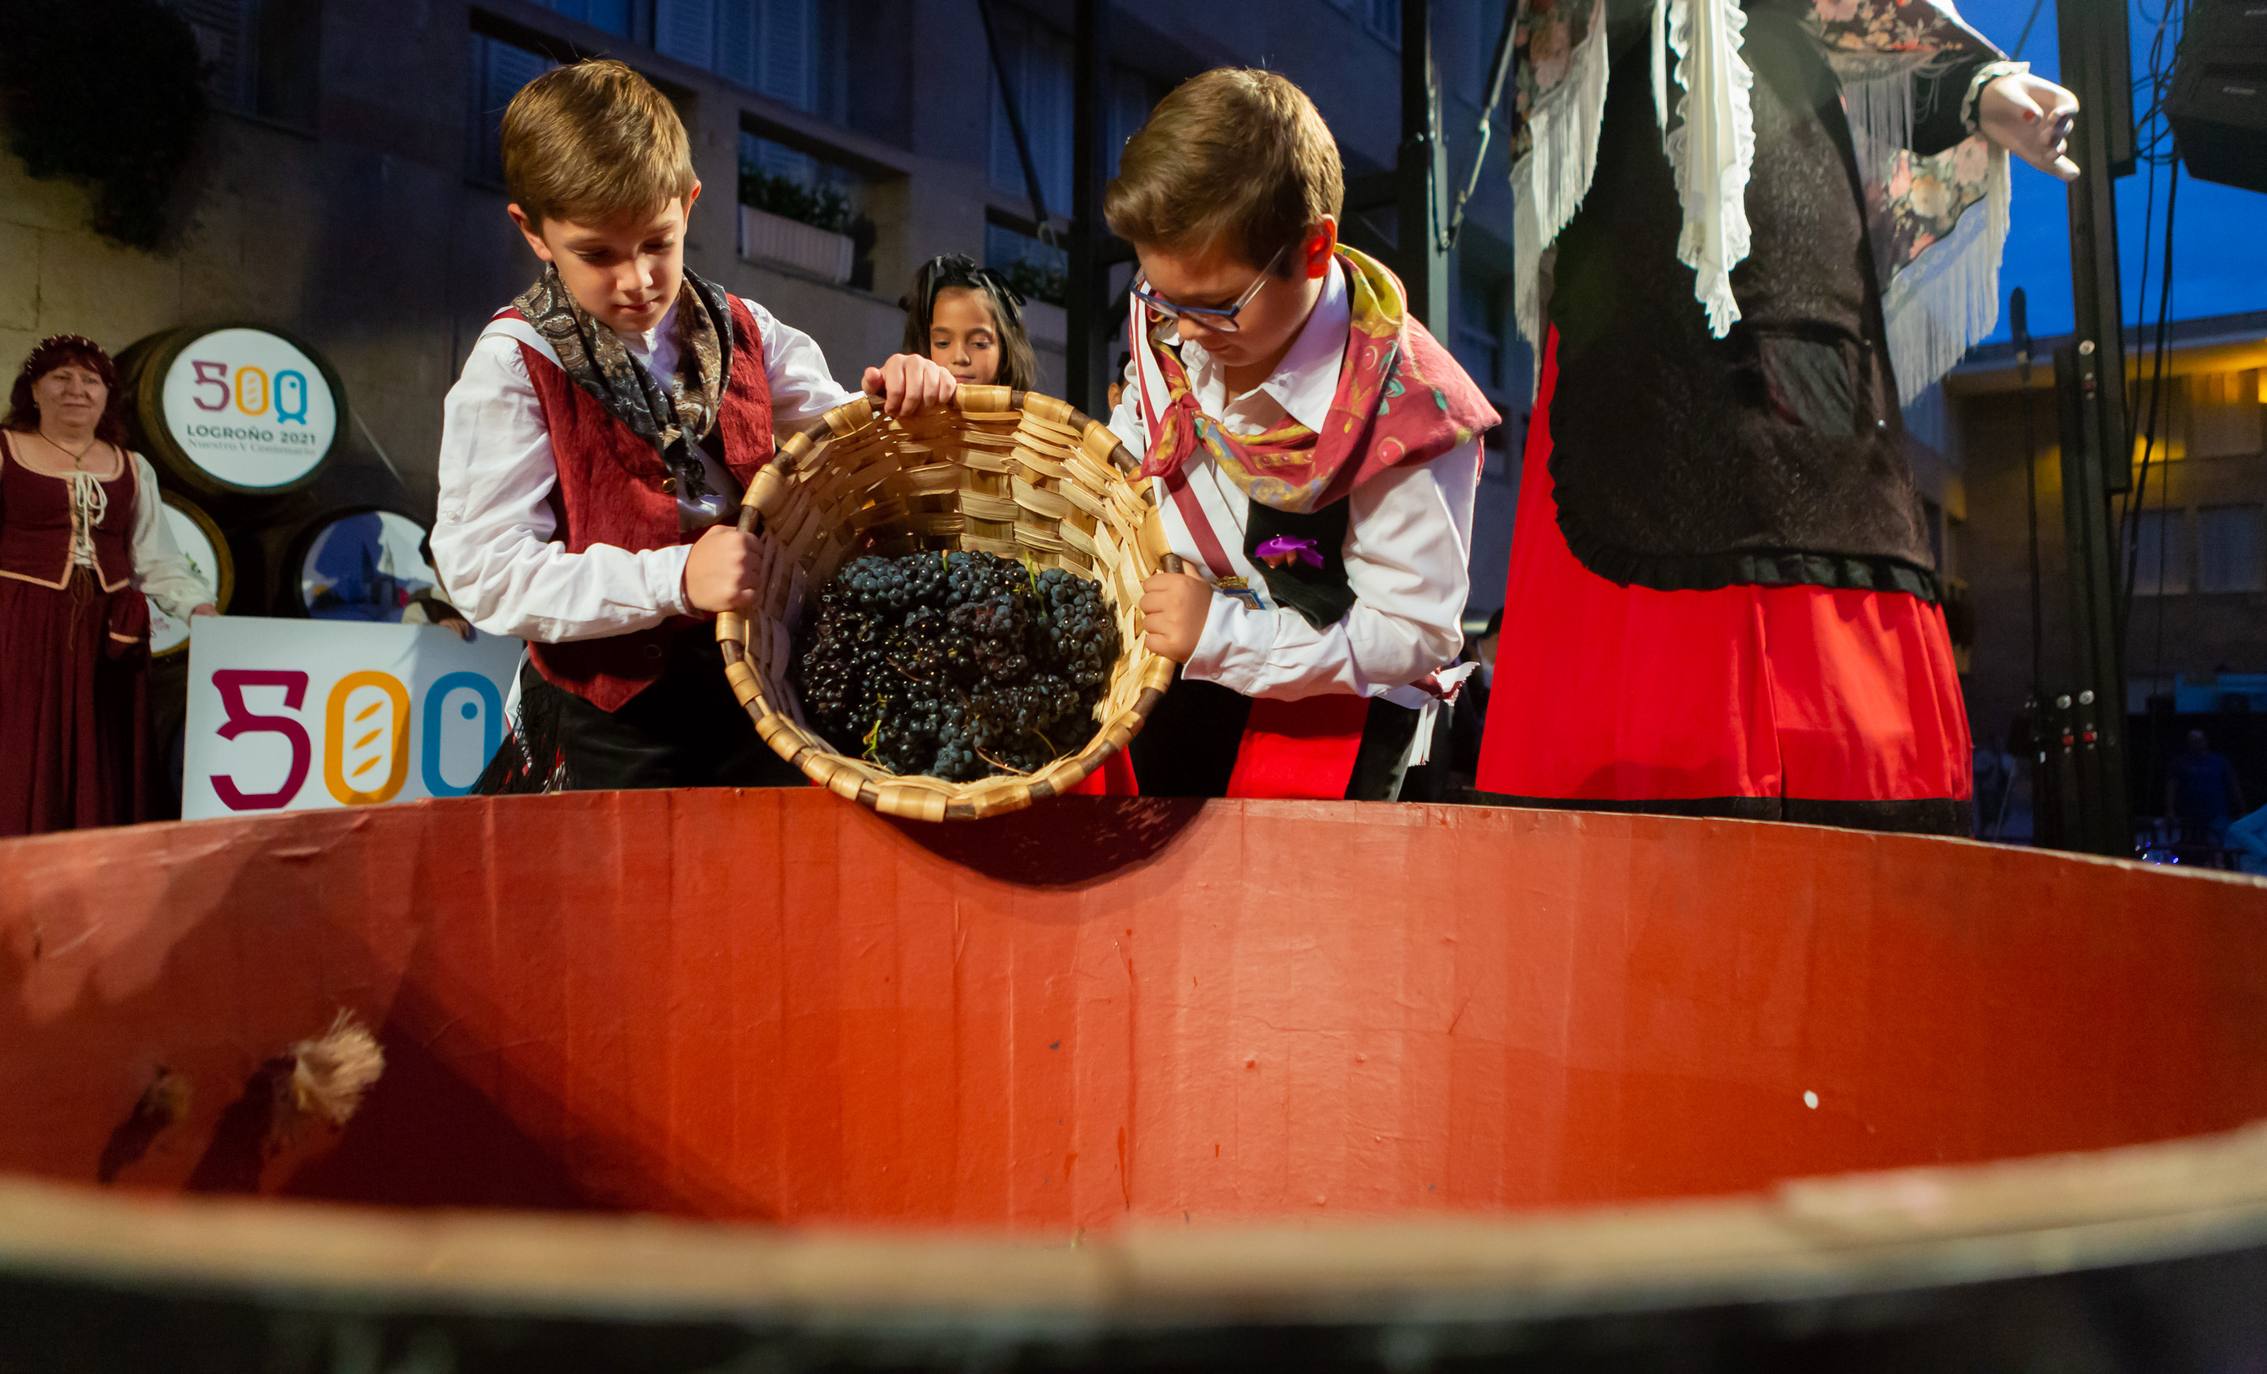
<point x="1798" y="702"/>
<point x="73" y="729"/>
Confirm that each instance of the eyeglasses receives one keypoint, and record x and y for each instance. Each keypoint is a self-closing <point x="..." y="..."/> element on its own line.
<point x="1220" y="319"/>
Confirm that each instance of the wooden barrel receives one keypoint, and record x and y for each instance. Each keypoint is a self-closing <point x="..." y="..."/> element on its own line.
<point x="355" y="563"/>
<point x="1122" y="1078"/>
<point x="206" y="548"/>
<point x="234" y="409"/>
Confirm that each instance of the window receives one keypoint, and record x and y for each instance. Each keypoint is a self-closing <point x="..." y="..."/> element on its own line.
<point x="499" y="69"/>
<point x="2223" y="415"/>
<point x="1384" y="19"/>
<point x="1132" y="97"/>
<point x="611" y="15"/>
<point x="1037" y="64"/>
<point x="2231" y="549"/>
<point x="802" y="186"/>
<point x="1040" y="271"/>
<point x="1476" y="326"/>
<point x="789" y="50"/>
<point x="2160" y="566"/>
<point x="261" y="56"/>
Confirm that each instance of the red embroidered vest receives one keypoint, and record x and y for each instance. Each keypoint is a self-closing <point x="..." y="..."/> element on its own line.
<point x="611" y="491"/>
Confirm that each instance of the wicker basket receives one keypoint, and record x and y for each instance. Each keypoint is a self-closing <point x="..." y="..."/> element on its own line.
<point x="1012" y="473"/>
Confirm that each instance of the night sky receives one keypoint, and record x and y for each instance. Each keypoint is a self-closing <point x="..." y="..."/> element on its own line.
<point x="2219" y="235"/>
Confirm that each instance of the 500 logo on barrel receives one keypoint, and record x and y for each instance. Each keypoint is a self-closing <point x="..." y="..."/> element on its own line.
<point x="299" y="714"/>
<point x="250" y="408"/>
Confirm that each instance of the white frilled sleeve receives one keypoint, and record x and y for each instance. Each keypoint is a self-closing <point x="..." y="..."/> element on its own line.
<point x="160" y="571"/>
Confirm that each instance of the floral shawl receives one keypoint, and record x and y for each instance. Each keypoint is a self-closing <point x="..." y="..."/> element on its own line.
<point x="1400" y="399"/>
<point x="1939" y="265"/>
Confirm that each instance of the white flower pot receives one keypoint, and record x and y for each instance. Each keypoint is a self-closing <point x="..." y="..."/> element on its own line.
<point x="767" y="237"/>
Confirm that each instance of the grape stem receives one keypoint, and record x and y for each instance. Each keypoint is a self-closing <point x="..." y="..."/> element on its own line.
<point x="1003" y="766"/>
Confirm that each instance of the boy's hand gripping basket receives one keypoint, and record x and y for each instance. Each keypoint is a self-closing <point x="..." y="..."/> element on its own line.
<point x="1012" y="473"/>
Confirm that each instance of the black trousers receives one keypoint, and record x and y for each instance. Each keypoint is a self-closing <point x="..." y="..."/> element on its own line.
<point x="686" y="730"/>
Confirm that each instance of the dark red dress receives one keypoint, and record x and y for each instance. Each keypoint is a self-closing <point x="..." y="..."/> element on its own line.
<point x="74" y="644"/>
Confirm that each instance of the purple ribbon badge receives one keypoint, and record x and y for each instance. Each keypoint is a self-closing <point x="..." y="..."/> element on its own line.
<point x="1283" y="550"/>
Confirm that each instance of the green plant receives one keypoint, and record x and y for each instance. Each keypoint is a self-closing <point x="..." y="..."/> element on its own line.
<point x="108" y="92"/>
<point x="1037" y="281"/>
<point x="823" y="206"/>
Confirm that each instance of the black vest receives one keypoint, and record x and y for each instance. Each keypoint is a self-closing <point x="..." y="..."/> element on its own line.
<point x="1777" y="454"/>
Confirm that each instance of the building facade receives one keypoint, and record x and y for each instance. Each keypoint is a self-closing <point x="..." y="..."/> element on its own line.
<point x="2194" y="545"/>
<point x="347" y="187"/>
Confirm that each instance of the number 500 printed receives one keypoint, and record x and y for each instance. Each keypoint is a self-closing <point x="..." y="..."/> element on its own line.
<point x="366" y="732"/>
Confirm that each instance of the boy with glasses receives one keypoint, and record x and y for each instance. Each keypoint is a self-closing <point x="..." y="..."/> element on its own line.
<point x="1316" y="453"/>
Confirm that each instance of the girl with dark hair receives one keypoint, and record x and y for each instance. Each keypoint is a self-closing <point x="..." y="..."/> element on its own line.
<point x="968" y="319"/>
<point x="82" y="540"/>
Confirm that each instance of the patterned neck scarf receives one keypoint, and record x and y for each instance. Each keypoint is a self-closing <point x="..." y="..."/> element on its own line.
<point x="1939" y="267"/>
<point x="673" y="414"/>
<point x="1401" y="399"/>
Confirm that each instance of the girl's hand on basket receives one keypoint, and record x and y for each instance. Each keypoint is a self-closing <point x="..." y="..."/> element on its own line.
<point x="910" y="384"/>
<point x="1173" y="609"/>
<point x="720" y="572"/>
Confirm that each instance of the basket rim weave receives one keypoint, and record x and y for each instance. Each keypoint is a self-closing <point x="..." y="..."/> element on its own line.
<point x="926" y="797"/>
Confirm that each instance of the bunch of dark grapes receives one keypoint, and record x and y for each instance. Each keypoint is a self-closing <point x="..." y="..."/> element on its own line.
<point x="958" y="665"/>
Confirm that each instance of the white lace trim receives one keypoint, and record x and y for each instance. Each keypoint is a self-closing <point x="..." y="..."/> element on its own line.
<point x="1944" y="301"/>
<point x="1712" y="150"/>
<point x="90" y="503"/>
<point x="1549" y="182"/>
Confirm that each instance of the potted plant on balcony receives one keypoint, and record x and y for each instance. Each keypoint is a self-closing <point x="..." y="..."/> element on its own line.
<point x="803" y="227"/>
<point x="1045" y="290"/>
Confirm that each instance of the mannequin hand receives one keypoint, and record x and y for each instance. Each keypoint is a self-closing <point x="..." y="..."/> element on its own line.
<point x="909" y="384"/>
<point x="1173" y="609"/>
<point x="720" y="572"/>
<point x="2030" y="117"/>
<point x="204" y="608"/>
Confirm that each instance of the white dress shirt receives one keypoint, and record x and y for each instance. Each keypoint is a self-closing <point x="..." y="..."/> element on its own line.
<point x="1408" y="538"/>
<point x="492" y="540"/>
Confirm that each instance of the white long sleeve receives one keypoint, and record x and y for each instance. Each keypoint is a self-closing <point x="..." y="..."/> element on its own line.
<point x="160" y="570"/>
<point x="1408" y="546"/>
<point x="1407" y="549"/>
<point x="493" y="538"/>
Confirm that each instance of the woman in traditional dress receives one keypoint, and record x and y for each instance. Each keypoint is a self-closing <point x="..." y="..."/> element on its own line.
<point x="1764" y="224"/>
<point x="82" y="540"/>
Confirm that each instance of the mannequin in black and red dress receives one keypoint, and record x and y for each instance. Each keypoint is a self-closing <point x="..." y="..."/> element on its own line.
<point x="1722" y="599"/>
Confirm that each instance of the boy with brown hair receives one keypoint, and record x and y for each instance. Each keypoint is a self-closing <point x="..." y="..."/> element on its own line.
<point x="594" y="452"/>
<point x="1316" y="450"/>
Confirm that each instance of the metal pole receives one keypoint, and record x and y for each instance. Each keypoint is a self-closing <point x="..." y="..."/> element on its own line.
<point x="2096" y="460"/>
<point x="2098" y="709"/>
<point x="1086" y="350"/>
<point x="1419" y="173"/>
<point x="2096" y="65"/>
